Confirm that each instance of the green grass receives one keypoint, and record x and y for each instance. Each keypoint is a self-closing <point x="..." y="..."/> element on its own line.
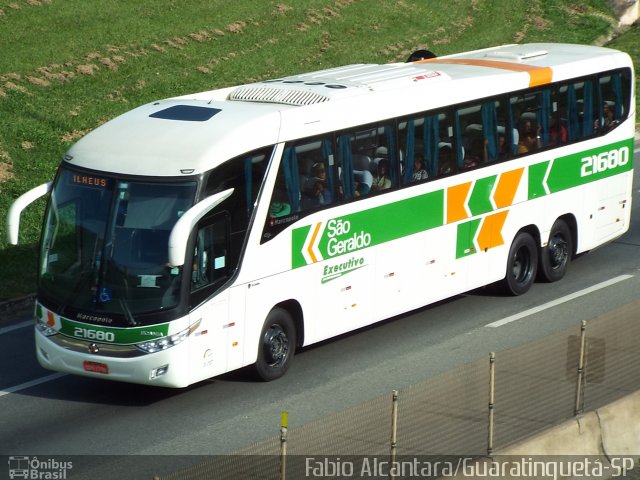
<point x="69" y="66"/>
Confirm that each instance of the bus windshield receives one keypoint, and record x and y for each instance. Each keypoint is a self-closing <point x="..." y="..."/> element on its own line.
<point x="105" y="244"/>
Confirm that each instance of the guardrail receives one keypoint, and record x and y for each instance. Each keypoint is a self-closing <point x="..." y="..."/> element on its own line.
<point x="469" y="411"/>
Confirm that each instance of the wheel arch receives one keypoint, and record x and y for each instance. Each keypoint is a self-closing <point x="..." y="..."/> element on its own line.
<point x="532" y="230"/>
<point x="572" y="223"/>
<point x="294" y="309"/>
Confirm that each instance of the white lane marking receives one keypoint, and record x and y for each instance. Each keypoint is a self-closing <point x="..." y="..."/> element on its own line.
<point x="559" y="301"/>
<point x="11" y="328"/>
<point x="31" y="383"/>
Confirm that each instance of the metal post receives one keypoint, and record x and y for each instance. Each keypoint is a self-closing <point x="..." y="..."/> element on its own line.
<point x="581" y="359"/>
<point x="283" y="445"/>
<point x="492" y="395"/>
<point x="394" y="426"/>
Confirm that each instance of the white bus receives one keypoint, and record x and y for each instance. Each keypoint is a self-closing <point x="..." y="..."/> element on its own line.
<point x="204" y="233"/>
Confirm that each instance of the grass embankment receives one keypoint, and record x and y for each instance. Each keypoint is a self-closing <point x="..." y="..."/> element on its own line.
<point x="68" y="67"/>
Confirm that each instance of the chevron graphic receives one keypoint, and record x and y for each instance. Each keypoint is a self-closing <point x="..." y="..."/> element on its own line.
<point x="310" y="250"/>
<point x="485" y="195"/>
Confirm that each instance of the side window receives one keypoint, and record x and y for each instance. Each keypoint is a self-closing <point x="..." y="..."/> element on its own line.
<point x="576" y="117"/>
<point x="613" y="106"/>
<point x="306" y="182"/>
<point x="306" y="179"/>
<point x="211" y="263"/>
<point x="367" y="161"/>
<point x="533" y="116"/>
<point x="316" y="174"/>
<point x="484" y="133"/>
<point x="427" y="147"/>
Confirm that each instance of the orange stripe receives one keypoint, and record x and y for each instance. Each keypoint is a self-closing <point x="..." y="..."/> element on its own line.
<point x="312" y="242"/>
<point x="541" y="76"/>
<point x="490" y="234"/>
<point x="537" y="75"/>
<point x="50" y="319"/>
<point x="456" y="198"/>
<point x="507" y="186"/>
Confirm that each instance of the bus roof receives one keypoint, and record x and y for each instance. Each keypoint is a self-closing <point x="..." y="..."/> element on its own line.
<point x="194" y="133"/>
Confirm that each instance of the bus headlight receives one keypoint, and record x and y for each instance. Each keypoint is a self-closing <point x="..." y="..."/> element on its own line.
<point x="45" y="329"/>
<point x="169" y="341"/>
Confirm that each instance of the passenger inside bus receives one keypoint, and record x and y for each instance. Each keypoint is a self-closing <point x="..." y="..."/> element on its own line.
<point x="476" y="154"/>
<point x="382" y="181"/>
<point x="445" y="156"/>
<point x="608" y="118"/>
<point x="315" y="189"/>
<point x="363" y="182"/>
<point x="529" y="140"/>
<point x="419" y="172"/>
<point x="502" y="152"/>
<point x="557" y="132"/>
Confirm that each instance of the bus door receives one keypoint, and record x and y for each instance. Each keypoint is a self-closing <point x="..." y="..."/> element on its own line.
<point x="212" y="342"/>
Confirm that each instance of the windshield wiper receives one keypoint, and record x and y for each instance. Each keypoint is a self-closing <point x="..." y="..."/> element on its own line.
<point x="124" y="302"/>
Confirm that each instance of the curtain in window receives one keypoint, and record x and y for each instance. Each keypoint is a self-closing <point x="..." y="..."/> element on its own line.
<point x="391" y="154"/>
<point x="431" y="136"/>
<point x="544" y="115"/>
<point x="512" y="136"/>
<point x="291" y="177"/>
<point x="346" y="164"/>
<point x="587" y="113"/>
<point x="458" y="141"/>
<point x="490" y="129"/>
<point x="572" y="113"/>
<point x="616" y="81"/>
<point x="410" y="151"/>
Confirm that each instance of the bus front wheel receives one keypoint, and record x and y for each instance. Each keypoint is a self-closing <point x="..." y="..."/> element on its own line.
<point x="522" y="265"/>
<point x="277" y="345"/>
<point x="555" y="257"/>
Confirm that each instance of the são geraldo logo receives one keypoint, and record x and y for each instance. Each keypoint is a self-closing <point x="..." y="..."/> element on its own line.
<point x="335" y="238"/>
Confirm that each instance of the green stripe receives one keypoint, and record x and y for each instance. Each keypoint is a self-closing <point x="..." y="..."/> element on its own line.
<point x="536" y="179"/>
<point x="590" y="165"/>
<point x="373" y="226"/>
<point x="101" y="334"/>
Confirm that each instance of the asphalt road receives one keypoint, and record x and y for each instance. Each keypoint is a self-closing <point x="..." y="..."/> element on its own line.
<point x="48" y="414"/>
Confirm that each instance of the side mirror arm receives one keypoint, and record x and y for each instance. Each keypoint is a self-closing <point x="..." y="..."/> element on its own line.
<point x="22" y="202"/>
<point x="182" y="229"/>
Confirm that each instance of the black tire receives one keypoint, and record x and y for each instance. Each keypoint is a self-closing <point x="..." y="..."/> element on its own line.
<point x="277" y="345"/>
<point x="556" y="256"/>
<point x="522" y="265"/>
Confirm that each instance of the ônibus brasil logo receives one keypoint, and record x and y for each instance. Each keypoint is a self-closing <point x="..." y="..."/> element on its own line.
<point x="38" y="468"/>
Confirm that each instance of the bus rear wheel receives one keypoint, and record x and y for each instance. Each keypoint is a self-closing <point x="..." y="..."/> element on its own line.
<point x="556" y="256"/>
<point x="277" y="345"/>
<point x="522" y="265"/>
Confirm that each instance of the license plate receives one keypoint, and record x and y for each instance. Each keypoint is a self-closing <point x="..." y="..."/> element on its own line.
<point x="96" y="367"/>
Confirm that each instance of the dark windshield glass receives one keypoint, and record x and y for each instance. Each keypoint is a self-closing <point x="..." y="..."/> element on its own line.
<point x="105" y="244"/>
